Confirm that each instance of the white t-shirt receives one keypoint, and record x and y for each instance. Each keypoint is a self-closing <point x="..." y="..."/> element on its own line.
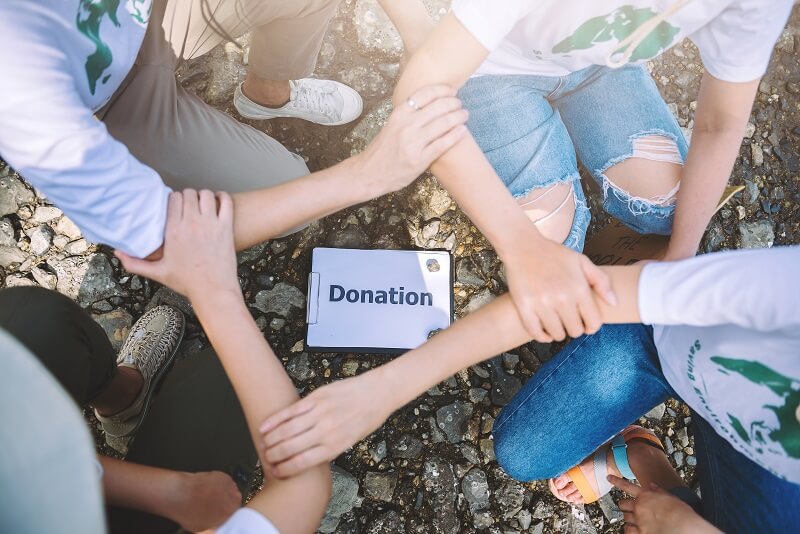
<point x="61" y="61"/>
<point x="729" y="345"/>
<point x="556" y="37"/>
<point x="247" y="521"/>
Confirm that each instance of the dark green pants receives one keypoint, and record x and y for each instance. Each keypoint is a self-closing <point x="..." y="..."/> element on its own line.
<point x="195" y="422"/>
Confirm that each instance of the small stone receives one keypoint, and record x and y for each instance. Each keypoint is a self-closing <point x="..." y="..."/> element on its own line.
<point x="741" y="213"/>
<point x="350" y="368"/>
<point x="543" y="511"/>
<point x="388" y="522"/>
<point x="479" y="300"/>
<point x="480" y="371"/>
<point x="758" y="234"/>
<point x="524" y="519"/>
<point x="41" y="239"/>
<point x="691" y="461"/>
<point x="450" y="242"/>
<point x="299" y="367"/>
<point x="343" y="499"/>
<point x="378" y="452"/>
<point x="380" y="486"/>
<point x="683" y="437"/>
<point x="10" y="255"/>
<point x="467" y="274"/>
<point x="7" y="238"/>
<point x="408" y="447"/>
<point x="438" y="204"/>
<point x="510" y="499"/>
<point x="117" y="325"/>
<point x="538" y="528"/>
<point x="13" y="194"/>
<point x="136" y="283"/>
<point x="688" y="450"/>
<point x="757" y="155"/>
<point x="66" y="227"/>
<point x="610" y="509"/>
<point x="749" y="130"/>
<point x="510" y="361"/>
<point x="440" y="485"/>
<point x="280" y="299"/>
<point x="277" y="323"/>
<point x="657" y="413"/>
<point x="669" y="448"/>
<point x="487" y="449"/>
<point x="452" y="420"/>
<point x="504" y="385"/>
<point x="351" y="236"/>
<point x="482" y="520"/>
<point x="60" y="241"/>
<point x="44" y="278"/>
<point x="476" y="490"/>
<point x="678" y="457"/>
<point x="45" y="214"/>
<point x="77" y="247"/>
<point x="470" y="453"/>
<point x="476" y="395"/>
<point x="431" y="229"/>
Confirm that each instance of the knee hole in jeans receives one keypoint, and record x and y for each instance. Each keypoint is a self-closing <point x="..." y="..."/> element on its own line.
<point x="552" y="210"/>
<point x="650" y="176"/>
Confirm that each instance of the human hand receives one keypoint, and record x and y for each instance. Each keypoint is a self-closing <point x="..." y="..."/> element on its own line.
<point x="319" y="427"/>
<point x="204" y="500"/>
<point x="414" y="137"/>
<point x="654" y="511"/>
<point x="198" y="252"/>
<point x="554" y="290"/>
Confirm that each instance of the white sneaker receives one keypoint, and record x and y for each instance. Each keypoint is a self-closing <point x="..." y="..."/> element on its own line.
<point x="320" y="101"/>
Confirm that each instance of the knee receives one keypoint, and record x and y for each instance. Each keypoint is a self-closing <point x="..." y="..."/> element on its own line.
<point x="552" y="210"/>
<point x="522" y="455"/>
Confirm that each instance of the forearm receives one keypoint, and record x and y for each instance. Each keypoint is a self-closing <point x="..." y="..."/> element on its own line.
<point x="722" y="112"/>
<point x="296" y="504"/>
<point x="411" y="19"/>
<point x="140" y="487"/>
<point x="266" y="213"/>
<point x="485" y="333"/>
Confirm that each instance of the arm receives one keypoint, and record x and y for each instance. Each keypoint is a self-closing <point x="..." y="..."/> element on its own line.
<point x="722" y="112"/>
<point x="196" y="501"/>
<point x="551" y="285"/>
<point x="198" y="255"/>
<point x="332" y="418"/>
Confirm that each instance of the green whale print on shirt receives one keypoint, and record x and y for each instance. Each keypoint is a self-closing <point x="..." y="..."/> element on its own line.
<point x="787" y="434"/>
<point x="618" y="25"/>
<point x="90" y="17"/>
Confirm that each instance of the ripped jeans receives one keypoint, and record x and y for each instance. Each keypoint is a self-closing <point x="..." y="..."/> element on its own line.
<point x="532" y="127"/>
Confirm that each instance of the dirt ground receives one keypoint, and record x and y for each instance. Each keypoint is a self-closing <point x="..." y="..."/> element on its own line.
<point x="413" y="475"/>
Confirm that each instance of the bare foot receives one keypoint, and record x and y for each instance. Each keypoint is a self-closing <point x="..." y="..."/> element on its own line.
<point x="205" y="500"/>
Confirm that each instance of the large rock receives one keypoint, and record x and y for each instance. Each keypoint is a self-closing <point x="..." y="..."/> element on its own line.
<point x="13" y="194"/>
<point x="452" y="420"/>
<point x="440" y="486"/>
<point x="475" y="487"/>
<point x="10" y="255"/>
<point x="280" y="299"/>
<point x="41" y="239"/>
<point x="380" y="486"/>
<point x="758" y="234"/>
<point x="343" y="499"/>
<point x="86" y="279"/>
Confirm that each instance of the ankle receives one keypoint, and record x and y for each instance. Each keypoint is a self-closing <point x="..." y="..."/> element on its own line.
<point x="121" y="392"/>
<point x="270" y="93"/>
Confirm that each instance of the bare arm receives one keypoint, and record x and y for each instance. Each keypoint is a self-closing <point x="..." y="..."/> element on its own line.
<point x="551" y="285"/>
<point x="198" y="255"/>
<point x="398" y="155"/>
<point x="722" y="112"/>
<point x="332" y="418"/>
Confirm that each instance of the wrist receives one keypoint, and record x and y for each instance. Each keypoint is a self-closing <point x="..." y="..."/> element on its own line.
<point x="210" y="302"/>
<point x="359" y="178"/>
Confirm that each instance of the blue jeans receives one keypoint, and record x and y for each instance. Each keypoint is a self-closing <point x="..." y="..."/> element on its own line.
<point x="599" y="384"/>
<point x="531" y="127"/>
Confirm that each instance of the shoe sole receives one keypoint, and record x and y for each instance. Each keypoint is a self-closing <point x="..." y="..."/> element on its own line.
<point x="154" y="383"/>
<point x="262" y="118"/>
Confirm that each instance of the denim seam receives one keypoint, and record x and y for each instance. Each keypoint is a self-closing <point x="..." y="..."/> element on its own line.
<point x="553" y="372"/>
<point x="570" y="178"/>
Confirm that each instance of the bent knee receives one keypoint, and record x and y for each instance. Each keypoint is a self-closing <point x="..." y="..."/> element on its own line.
<point x="523" y="458"/>
<point x="652" y="173"/>
<point x="552" y="210"/>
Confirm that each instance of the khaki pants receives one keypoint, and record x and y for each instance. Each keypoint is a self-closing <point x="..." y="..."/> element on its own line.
<point x="187" y="142"/>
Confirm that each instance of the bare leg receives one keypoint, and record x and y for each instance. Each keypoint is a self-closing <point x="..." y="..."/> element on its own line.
<point x="270" y="93"/>
<point x="653" y="173"/>
<point x="552" y="210"/>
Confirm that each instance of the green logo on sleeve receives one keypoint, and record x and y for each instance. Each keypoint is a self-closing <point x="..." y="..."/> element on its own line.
<point x="90" y="17"/>
<point x="787" y="434"/>
<point x="618" y="25"/>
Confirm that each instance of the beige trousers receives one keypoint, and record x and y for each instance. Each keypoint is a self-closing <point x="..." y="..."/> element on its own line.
<point x="189" y="143"/>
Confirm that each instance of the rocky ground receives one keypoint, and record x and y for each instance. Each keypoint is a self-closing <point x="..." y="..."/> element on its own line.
<point x="430" y="468"/>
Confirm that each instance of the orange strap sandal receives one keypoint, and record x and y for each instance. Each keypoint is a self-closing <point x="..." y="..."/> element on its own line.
<point x="619" y="445"/>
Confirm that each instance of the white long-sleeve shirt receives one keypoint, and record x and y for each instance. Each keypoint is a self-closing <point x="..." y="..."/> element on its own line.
<point x="62" y="60"/>
<point x="728" y="338"/>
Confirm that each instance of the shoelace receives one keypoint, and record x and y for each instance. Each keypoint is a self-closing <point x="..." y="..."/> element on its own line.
<point x="144" y="345"/>
<point x="319" y="100"/>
